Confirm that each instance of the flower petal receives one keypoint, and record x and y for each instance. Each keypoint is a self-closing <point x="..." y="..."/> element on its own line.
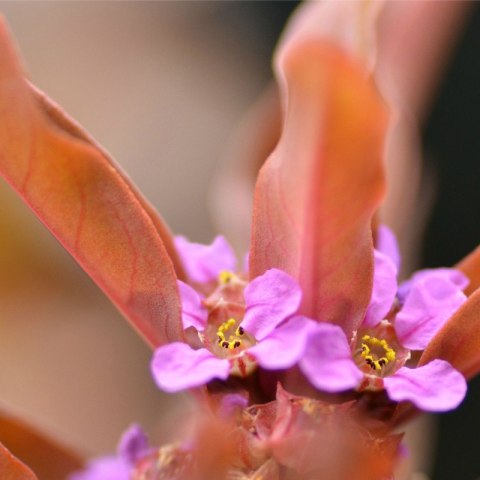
<point x="194" y="314"/>
<point x="384" y="289"/>
<point x="433" y="297"/>
<point x="203" y="263"/>
<point x="87" y="203"/>
<point x="283" y="347"/>
<point x="434" y="387"/>
<point x="386" y="243"/>
<point x="328" y="362"/>
<point x="270" y="299"/>
<point x="177" y="366"/>
<point x="133" y="444"/>
<point x="316" y="194"/>
<point x="458" y="342"/>
<point x="456" y="277"/>
<point x="105" y="468"/>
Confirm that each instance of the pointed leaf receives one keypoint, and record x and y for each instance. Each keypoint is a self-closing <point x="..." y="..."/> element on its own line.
<point x="458" y="342"/>
<point x="13" y="469"/>
<point x="45" y="456"/>
<point x="316" y="194"/>
<point x="87" y="203"/>
<point x="470" y="266"/>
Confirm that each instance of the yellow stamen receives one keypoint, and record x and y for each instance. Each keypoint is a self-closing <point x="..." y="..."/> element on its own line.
<point x="233" y="341"/>
<point x="374" y="361"/>
<point x="225" y="276"/>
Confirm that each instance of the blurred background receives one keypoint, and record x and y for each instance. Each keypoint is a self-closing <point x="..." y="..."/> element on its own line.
<point x="163" y="86"/>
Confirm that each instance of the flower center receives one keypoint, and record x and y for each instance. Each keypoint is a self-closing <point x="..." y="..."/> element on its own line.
<point x="376" y="352"/>
<point x="226" y="276"/>
<point x="229" y="335"/>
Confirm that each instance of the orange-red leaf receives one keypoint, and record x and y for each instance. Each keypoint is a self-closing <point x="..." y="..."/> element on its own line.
<point x="87" y="203"/>
<point x="48" y="459"/>
<point x="458" y="342"/>
<point x="316" y="195"/>
<point x="470" y="266"/>
<point x="13" y="469"/>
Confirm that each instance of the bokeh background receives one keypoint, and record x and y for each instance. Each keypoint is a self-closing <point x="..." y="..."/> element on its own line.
<point x="162" y="86"/>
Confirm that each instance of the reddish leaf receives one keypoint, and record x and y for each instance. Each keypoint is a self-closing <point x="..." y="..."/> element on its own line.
<point x="12" y="469"/>
<point x="458" y="342"/>
<point x="316" y="194"/>
<point x="87" y="203"/>
<point x="470" y="266"/>
<point x="49" y="460"/>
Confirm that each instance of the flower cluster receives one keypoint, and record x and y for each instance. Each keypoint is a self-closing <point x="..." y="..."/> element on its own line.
<point x="318" y="311"/>
<point x="234" y="325"/>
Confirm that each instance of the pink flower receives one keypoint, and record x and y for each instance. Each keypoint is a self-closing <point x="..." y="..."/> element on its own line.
<point x="375" y="357"/>
<point x="240" y="325"/>
<point x="133" y="446"/>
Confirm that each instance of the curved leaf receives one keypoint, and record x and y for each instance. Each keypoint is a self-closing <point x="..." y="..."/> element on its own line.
<point x="470" y="266"/>
<point x="316" y="194"/>
<point x="47" y="458"/>
<point x="13" y="469"/>
<point x="87" y="203"/>
<point x="458" y="342"/>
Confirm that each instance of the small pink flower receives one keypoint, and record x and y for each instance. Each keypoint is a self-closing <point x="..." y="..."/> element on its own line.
<point x="375" y="358"/>
<point x="239" y="325"/>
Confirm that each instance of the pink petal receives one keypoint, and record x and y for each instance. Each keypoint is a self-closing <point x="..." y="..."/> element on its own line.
<point x="328" y="362"/>
<point x="434" y="387"/>
<point x="458" y="341"/>
<point x="433" y="298"/>
<point x="283" y="347"/>
<point x="133" y="444"/>
<point x="270" y="299"/>
<point x="203" y="263"/>
<point x="384" y="290"/>
<point x="194" y="314"/>
<point x="177" y="366"/>
<point x="387" y="244"/>
<point x="452" y="275"/>
<point x="105" y="468"/>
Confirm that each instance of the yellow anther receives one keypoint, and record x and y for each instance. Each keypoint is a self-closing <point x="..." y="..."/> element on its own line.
<point x="225" y="276"/>
<point x="365" y="350"/>
<point x="390" y="354"/>
<point x="373" y="359"/>
<point x="232" y="341"/>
